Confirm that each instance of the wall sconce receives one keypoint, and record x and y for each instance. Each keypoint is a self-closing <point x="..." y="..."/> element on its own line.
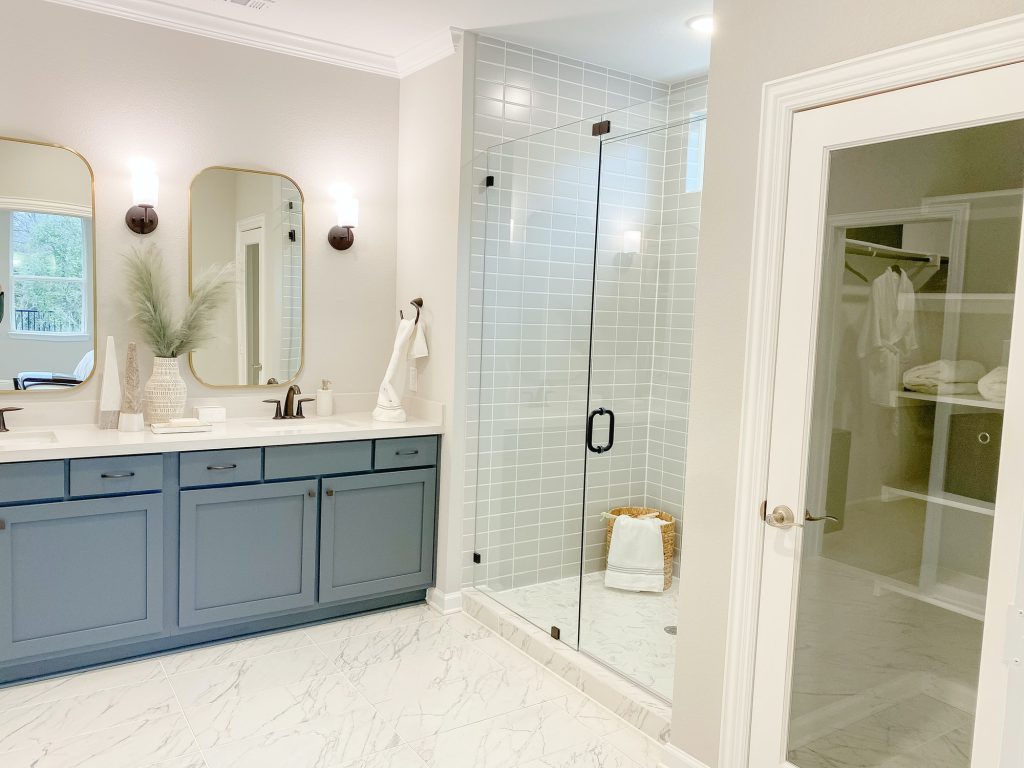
<point x="141" y="217"/>
<point x="631" y="241"/>
<point x="342" y="235"/>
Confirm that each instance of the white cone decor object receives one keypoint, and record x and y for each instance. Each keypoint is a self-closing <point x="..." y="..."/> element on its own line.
<point x="110" y="392"/>
<point x="131" y="404"/>
<point x="165" y="391"/>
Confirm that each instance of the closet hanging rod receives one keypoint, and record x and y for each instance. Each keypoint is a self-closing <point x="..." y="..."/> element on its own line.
<point x="862" y="248"/>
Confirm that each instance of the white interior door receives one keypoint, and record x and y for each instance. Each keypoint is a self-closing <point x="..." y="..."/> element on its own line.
<point x="884" y="643"/>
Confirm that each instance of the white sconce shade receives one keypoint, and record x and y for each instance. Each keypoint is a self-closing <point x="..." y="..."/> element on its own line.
<point x="341" y="237"/>
<point x="348" y="212"/>
<point x="346" y="205"/>
<point x="632" y="241"/>
<point x="141" y="218"/>
<point x="145" y="183"/>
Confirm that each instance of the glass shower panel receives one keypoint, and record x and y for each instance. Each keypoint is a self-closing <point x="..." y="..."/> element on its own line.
<point x="639" y="394"/>
<point x="534" y="270"/>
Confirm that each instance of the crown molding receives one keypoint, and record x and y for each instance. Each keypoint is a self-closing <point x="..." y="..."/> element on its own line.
<point x="160" y="14"/>
<point x="433" y="49"/>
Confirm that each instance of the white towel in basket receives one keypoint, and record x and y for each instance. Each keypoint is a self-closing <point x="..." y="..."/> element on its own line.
<point x="636" y="560"/>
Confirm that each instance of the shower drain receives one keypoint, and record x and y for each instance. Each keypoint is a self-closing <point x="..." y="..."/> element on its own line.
<point x="671" y="629"/>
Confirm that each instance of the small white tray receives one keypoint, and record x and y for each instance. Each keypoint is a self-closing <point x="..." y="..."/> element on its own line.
<point x="181" y="426"/>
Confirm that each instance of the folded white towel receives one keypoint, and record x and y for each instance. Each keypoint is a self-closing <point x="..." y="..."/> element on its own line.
<point x="636" y="560"/>
<point x="944" y="372"/>
<point x="993" y="384"/>
<point x="948" y="388"/>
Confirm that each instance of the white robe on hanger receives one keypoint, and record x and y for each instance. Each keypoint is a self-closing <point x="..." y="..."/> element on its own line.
<point x="889" y="334"/>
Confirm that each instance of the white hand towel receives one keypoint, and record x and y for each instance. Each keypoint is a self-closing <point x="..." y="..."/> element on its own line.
<point x="993" y="384"/>
<point x="389" y="400"/>
<point x="418" y="346"/>
<point x="636" y="561"/>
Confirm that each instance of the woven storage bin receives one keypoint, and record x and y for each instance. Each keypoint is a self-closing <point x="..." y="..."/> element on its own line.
<point x="668" y="533"/>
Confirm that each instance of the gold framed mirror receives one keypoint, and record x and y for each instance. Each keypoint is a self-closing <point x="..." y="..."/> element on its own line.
<point x="47" y="268"/>
<point x="255" y="221"/>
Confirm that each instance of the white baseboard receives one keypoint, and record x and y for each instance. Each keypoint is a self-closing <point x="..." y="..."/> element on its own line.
<point x="444" y="602"/>
<point x="674" y="757"/>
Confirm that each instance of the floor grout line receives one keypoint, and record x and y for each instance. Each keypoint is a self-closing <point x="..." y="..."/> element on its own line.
<point x="184" y="717"/>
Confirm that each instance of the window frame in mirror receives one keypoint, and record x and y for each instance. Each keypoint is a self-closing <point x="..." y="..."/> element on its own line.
<point x="92" y="278"/>
<point x="302" y="277"/>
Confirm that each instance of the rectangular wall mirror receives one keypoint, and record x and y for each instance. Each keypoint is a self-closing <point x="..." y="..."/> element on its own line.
<point x="253" y="220"/>
<point x="47" y="269"/>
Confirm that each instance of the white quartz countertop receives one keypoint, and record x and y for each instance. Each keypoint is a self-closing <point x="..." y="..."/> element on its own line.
<point x="86" y="441"/>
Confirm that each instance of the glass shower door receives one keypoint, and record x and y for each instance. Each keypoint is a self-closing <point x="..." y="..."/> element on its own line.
<point x="639" y="394"/>
<point x="533" y="253"/>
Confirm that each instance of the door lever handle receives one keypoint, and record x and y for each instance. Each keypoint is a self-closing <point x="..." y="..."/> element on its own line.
<point x="783" y="517"/>
<point x="809" y="518"/>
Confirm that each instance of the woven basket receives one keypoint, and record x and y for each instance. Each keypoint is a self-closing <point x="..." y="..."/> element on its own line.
<point x="668" y="533"/>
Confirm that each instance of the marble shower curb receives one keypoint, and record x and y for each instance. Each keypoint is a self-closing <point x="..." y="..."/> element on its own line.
<point x="633" y="704"/>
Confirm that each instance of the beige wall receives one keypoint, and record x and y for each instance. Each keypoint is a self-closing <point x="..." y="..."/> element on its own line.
<point x="430" y="149"/>
<point x="113" y="89"/>
<point x="755" y="42"/>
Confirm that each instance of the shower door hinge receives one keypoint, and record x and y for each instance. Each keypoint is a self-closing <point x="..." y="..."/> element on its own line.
<point x="489" y="181"/>
<point x="1015" y="637"/>
<point x="476" y="558"/>
<point x="600" y="129"/>
<point x="556" y="633"/>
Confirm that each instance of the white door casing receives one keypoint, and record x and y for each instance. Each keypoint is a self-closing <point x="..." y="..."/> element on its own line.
<point x="987" y="45"/>
<point x="988" y="96"/>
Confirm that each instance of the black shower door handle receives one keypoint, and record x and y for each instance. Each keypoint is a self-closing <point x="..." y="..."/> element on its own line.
<point x="590" y="430"/>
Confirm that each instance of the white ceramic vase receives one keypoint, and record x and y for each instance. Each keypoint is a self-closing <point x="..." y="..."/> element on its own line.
<point x="164" y="395"/>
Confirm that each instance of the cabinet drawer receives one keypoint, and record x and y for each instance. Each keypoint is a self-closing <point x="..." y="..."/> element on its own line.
<point x="204" y="468"/>
<point x="405" y="452"/>
<point x="31" y="481"/>
<point x="286" y="461"/>
<point x="116" y="474"/>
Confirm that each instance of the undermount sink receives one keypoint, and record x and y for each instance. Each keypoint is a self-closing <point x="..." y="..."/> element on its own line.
<point x="16" y="440"/>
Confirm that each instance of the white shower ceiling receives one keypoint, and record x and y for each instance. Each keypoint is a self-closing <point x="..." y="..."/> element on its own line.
<point x="395" y="37"/>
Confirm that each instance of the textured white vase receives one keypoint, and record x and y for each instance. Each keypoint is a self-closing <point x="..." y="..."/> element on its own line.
<point x="165" y="391"/>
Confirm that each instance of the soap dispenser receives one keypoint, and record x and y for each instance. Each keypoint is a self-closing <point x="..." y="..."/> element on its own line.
<point x="324" y="399"/>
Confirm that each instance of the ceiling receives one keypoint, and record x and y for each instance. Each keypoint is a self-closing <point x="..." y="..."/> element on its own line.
<point x="395" y="37"/>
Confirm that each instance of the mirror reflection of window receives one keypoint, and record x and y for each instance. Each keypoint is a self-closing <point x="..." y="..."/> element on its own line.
<point x="251" y="221"/>
<point x="46" y="267"/>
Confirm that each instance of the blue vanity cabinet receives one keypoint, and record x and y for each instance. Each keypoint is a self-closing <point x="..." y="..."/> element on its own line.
<point x="246" y="551"/>
<point x="80" y="573"/>
<point x="377" y="533"/>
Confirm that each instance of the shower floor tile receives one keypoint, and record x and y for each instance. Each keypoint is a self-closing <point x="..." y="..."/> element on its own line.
<point x="624" y="630"/>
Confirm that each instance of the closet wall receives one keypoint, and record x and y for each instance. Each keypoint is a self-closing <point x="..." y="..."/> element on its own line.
<point x="888" y="445"/>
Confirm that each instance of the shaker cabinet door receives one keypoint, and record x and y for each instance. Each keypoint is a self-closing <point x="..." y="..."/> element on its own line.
<point x="246" y="551"/>
<point x="376" y="534"/>
<point x="75" y="574"/>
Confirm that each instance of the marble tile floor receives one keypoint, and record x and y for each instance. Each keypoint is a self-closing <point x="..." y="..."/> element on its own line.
<point x="623" y="630"/>
<point x="403" y="688"/>
<point x="919" y="732"/>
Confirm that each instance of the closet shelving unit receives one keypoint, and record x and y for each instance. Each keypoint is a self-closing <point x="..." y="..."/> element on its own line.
<point x="965" y="317"/>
